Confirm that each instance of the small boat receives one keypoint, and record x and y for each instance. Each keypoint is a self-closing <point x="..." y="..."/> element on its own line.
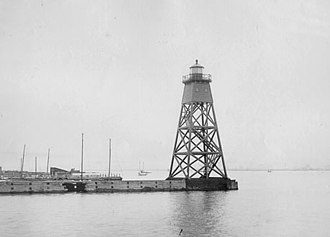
<point x="142" y="172"/>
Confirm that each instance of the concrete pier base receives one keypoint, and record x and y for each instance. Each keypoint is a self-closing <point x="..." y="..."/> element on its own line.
<point x="211" y="184"/>
<point x="63" y="186"/>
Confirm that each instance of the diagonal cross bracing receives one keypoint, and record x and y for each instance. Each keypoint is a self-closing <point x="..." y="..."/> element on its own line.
<point x="197" y="150"/>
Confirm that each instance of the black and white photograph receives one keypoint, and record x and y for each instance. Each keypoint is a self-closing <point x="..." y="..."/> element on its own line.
<point x="164" y="118"/>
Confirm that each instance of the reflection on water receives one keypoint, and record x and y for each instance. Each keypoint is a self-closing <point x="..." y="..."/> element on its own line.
<point x="199" y="212"/>
<point x="267" y="204"/>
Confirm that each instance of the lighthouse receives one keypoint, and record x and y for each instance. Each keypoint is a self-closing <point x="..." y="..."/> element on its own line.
<point x="197" y="155"/>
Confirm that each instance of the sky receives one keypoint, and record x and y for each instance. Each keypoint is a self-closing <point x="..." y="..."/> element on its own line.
<point x="113" y="69"/>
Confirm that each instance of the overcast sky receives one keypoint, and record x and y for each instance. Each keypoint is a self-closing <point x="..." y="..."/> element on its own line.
<point x="113" y="69"/>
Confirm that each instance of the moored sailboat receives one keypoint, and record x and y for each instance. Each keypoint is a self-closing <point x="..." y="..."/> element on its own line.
<point x="142" y="172"/>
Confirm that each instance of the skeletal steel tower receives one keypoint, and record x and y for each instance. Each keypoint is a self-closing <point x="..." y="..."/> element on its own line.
<point x="197" y="150"/>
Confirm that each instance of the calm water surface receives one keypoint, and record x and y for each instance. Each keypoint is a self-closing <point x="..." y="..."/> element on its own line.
<point x="267" y="204"/>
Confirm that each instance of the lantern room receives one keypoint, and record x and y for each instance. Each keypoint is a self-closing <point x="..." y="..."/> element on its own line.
<point x="196" y="68"/>
<point x="196" y="74"/>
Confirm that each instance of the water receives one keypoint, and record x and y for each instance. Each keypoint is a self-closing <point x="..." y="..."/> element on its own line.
<point x="267" y="204"/>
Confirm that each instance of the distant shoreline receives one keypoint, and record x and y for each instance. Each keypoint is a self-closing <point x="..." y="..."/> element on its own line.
<point x="278" y="170"/>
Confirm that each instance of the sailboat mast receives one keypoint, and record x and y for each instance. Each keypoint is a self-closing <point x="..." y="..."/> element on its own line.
<point x="109" y="157"/>
<point x="35" y="167"/>
<point x="82" y="157"/>
<point x="22" y="161"/>
<point x="48" y="161"/>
